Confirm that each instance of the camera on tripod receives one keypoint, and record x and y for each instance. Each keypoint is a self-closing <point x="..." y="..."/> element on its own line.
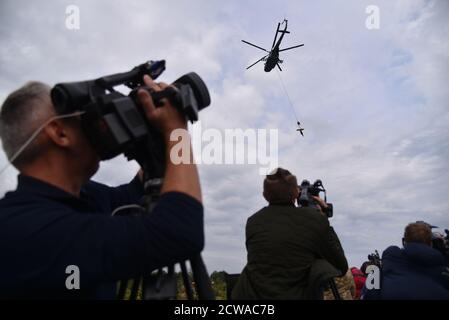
<point x="374" y="258"/>
<point x="307" y="191"/>
<point x="115" y="123"/>
<point x="440" y="242"/>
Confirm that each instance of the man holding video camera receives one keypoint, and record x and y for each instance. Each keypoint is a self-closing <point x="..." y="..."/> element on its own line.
<point x="57" y="218"/>
<point x="418" y="271"/>
<point x="292" y="252"/>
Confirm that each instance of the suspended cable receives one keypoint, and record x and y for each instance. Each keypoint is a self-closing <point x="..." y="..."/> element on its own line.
<point x="288" y="96"/>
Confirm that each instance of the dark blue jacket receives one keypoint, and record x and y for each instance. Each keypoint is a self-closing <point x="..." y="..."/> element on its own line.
<point x="416" y="272"/>
<point x="43" y="230"/>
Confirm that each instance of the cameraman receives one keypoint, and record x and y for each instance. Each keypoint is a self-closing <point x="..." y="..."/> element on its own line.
<point x="284" y="244"/>
<point x="57" y="217"/>
<point x="416" y="272"/>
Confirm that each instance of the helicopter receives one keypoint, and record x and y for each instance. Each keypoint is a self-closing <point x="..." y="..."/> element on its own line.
<point x="272" y="58"/>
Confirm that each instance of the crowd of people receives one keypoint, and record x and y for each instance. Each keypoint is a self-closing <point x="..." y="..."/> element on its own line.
<point x="293" y="253"/>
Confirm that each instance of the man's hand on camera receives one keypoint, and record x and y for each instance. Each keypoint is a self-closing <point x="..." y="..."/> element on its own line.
<point x="179" y="177"/>
<point x="166" y="118"/>
<point x="322" y="206"/>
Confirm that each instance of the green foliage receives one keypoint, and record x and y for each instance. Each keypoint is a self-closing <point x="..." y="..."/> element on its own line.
<point x="217" y="278"/>
<point x="218" y="284"/>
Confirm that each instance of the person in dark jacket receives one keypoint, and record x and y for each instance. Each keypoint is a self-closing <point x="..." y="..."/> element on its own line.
<point x="58" y="224"/>
<point x="285" y="243"/>
<point x="416" y="272"/>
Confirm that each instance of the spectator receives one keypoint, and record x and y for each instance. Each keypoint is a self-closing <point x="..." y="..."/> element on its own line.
<point x="284" y="242"/>
<point x="58" y="218"/>
<point x="359" y="280"/>
<point x="415" y="272"/>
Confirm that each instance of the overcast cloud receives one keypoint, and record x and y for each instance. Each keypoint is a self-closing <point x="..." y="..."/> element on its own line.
<point x="374" y="102"/>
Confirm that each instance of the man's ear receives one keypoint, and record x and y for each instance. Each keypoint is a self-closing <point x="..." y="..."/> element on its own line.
<point x="58" y="133"/>
<point x="297" y="192"/>
<point x="265" y="196"/>
<point x="295" y="195"/>
<point x="403" y="242"/>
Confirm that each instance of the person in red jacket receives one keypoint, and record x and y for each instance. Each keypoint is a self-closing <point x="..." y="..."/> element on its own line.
<point x="359" y="279"/>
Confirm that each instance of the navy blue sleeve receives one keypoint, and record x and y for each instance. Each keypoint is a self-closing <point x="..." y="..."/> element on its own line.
<point x="129" y="193"/>
<point x="173" y="232"/>
<point x="373" y="294"/>
<point x="109" y="248"/>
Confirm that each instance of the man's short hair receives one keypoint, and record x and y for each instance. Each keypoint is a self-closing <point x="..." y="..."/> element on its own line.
<point x="418" y="232"/>
<point x="22" y="113"/>
<point x="279" y="187"/>
<point x="365" y="265"/>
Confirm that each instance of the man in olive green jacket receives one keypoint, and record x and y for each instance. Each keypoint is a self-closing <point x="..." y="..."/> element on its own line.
<point x="291" y="250"/>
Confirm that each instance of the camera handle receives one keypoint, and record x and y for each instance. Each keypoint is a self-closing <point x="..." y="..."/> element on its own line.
<point x="153" y="289"/>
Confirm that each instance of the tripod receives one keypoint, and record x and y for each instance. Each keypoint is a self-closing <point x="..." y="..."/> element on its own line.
<point x="163" y="285"/>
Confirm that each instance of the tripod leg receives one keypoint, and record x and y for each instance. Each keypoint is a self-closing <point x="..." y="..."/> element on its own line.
<point x="334" y="289"/>
<point x="123" y="284"/>
<point x="186" y="281"/>
<point x="202" y="280"/>
<point x="134" y="289"/>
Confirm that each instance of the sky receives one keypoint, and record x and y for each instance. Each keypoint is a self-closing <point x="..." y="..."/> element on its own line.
<point x="373" y="101"/>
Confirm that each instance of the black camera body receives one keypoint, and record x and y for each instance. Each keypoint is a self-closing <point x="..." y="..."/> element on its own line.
<point x="115" y="123"/>
<point x="307" y="191"/>
<point x="374" y="258"/>
<point x="440" y="242"/>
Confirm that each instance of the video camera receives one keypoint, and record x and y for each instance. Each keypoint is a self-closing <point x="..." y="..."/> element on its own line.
<point x="441" y="242"/>
<point x="307" y="191"/>
<point x="115" y="123"/>
<point x="375" y="259"/>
